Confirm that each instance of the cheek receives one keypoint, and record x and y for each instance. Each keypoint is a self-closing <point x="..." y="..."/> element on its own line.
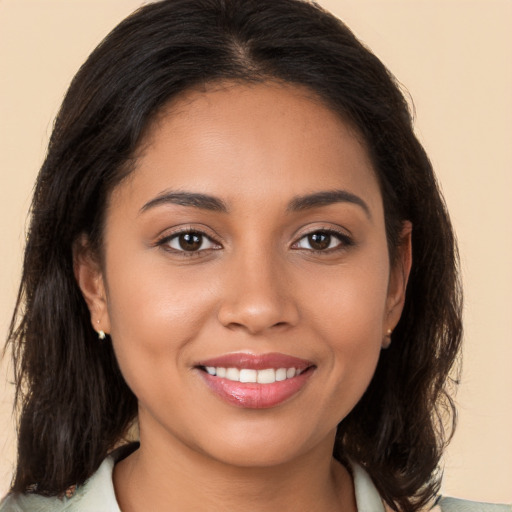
<point x="348" y="310"/>
<point x="148" y="294"/>
<point x="154" y="314"/>
<point x="349" y="302"/>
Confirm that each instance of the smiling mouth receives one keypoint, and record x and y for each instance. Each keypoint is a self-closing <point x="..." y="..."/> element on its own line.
<point x="256" y="381"/>
<point x="249" y="375"/>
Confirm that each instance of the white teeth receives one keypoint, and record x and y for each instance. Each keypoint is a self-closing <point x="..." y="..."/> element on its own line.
<point x="248" y="375"/>
<point x="266" y="376"/>
<point x="281" y="374"/>
<point x="233" y="374"/>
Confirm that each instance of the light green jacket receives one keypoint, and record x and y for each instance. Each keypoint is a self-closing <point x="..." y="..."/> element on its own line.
<point x="97" y="495"/>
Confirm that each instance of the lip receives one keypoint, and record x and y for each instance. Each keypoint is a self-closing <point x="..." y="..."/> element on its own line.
<point x="257" y="361"/>
<point x="253" y="395"/>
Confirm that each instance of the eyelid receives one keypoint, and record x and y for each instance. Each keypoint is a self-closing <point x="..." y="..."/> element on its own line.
<point x="168" y="235"/>
<point x="346" y="239"/>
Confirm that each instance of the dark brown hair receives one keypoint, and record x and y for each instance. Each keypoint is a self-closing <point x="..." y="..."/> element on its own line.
<point x="74" y="405"/>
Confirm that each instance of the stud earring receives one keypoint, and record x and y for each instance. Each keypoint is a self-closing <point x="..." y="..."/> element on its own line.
<point x="386" y="342"/>
<point x="101" y="334"/>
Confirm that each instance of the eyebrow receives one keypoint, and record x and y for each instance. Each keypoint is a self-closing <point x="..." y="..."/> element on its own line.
<point x="299" y="203"/>
<point x="202" y="201"/>
<point x="326" y="198"/>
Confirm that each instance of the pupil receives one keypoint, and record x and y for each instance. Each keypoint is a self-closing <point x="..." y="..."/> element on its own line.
<point x="319" y="241"/>
<point x="190" y="241"/>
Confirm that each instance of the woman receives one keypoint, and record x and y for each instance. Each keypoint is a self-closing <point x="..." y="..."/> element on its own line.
<point x="233" y="221"/>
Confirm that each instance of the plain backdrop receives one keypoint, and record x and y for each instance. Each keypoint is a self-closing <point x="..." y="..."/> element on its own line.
<point x="453" y="56"/>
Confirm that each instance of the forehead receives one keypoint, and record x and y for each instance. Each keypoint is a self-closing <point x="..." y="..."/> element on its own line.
<point x="265" y="141"/>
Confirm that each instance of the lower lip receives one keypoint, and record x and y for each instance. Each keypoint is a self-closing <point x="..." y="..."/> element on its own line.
<point x="253" y="395"/>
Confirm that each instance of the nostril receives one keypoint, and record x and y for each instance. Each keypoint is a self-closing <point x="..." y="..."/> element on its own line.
<point x="257" y="312"/>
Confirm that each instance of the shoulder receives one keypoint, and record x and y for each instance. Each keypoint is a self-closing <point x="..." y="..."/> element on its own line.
<point x="96" y="495"/>
<point x="459" y="505"/>
<point x="31" y="503"/>
<point x="368" y="499"/>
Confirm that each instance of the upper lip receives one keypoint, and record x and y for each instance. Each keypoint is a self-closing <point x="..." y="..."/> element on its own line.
<point x="256" y="361"/>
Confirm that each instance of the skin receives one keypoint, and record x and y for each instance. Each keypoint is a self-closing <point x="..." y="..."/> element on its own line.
<point x="258" y="286"/>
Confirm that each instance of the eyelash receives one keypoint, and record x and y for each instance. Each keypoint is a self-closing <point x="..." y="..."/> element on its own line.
<point x="344" y="242"/>
<point x="166" y="240"/>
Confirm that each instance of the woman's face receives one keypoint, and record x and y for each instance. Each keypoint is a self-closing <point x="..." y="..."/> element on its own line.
<point x="248" y="244"/>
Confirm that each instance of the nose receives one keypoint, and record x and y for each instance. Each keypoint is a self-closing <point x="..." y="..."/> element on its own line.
<point x="258" y="296"/>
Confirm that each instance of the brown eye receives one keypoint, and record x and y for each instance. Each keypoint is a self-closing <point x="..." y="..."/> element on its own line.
<point x="190" y="241"/>
<point x="319" y="241"/>
<point x="322" y="241"/>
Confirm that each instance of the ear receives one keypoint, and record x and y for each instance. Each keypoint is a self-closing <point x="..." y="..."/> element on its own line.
<point x="90" y="279"/>
<point x="398" y="277"/>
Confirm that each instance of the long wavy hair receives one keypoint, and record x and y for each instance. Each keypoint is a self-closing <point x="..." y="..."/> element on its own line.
<point x="72" y="401"/>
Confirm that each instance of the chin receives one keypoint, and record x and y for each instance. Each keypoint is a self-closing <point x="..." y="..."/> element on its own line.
<point x="263" y="446"/>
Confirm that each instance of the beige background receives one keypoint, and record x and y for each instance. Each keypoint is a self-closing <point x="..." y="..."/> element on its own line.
<point x="454" y="56"/>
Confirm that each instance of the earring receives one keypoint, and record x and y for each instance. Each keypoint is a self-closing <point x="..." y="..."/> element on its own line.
<point x="386" y="342"/>
<point x="101" y="334"/>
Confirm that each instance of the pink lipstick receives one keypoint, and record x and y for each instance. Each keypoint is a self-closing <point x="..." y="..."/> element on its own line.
<point x="255" y="381"/>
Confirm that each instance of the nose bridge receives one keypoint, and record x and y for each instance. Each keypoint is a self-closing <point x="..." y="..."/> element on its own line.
<point x="257" y="293"/>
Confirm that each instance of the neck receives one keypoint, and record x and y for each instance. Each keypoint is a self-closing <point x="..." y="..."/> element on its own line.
<point x="164" y="471"/>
